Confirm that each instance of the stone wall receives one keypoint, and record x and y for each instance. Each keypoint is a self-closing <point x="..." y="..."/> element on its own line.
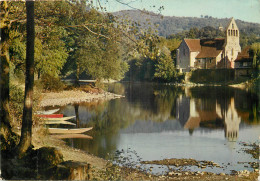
<point x="244" y="72"/>
<point x="212" y="75"/>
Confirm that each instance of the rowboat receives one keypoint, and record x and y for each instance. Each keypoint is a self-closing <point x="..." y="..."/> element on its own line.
<point x="60" y="119"/>
<point x="52" y="111"/>
<point x="58" y="122"/>
<point x="50" y="115"/>
<point x="64" y="136"/>
<point x="68" y="130"/>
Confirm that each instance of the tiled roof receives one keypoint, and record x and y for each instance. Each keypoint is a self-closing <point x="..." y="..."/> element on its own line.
<point x="244" y="56"/>
<point x="211" y="47"/>
<point x="193" y="44"/>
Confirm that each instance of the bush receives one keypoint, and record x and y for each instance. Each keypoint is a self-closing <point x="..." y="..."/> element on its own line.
<point x="51" y="83"/>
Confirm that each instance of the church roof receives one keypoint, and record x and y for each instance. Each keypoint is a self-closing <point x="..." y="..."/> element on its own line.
<point x="193" y="44"/>
<point x="211" y="47"/>
<point x="244" y="55"/>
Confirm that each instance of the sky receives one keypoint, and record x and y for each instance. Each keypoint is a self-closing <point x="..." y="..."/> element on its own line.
<point x="246" y="10"/>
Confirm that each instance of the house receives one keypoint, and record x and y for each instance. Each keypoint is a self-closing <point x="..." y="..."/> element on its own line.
<point x="244" y="60"/>
<point x="244" y="63"/>
<point x="210" y="53"/>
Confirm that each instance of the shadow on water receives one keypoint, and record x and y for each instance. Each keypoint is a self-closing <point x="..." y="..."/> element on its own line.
<point x="165" y="119"/>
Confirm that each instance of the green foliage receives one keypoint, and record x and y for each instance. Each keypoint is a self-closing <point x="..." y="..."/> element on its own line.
<point x="167" y="26"/>
<point x="248" y="39"/>
<point x="165" y="69"/>
<point x="16" y="104"/>
<point x="51" y="83"/>
<point x="17" y="49"/>
<point x="158" y="64"/>
<point x="255" y="49"/>
<point x="212" y="76"/>
<point x="205" y="32"/>
<point x="50" y="51"/>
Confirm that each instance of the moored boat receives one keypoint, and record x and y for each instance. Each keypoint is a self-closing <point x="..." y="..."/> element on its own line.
<point x="64" y="136"/>
<point x="69" y="130"/>
<point x="58" y="122"/>
<point x="52" y="111"/>
<point x="60" y="119"/>
<point x="50" y="115"/>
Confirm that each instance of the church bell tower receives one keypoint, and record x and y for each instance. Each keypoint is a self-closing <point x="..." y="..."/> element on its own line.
<point x="232" y="46"/>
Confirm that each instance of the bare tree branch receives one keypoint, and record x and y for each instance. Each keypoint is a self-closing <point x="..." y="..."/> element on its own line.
<point x="98" y="34"/>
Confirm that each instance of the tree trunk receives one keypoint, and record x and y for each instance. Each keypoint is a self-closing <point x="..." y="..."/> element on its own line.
<point x="4" y="83"/>
<point x="77" y="75"/>
<point x="26" y="134"/>
<point x="76" y="106"/>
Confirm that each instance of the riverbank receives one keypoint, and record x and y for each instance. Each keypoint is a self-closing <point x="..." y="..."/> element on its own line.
<point x="101" y="169"/>
<point x="74" y="96"/>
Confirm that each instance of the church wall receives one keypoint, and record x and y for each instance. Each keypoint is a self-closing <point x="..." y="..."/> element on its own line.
<point x="183" y="59"/>
<point x="192" y="58"/>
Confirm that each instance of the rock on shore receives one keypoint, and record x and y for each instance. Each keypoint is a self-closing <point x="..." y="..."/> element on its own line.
<point x="74" y="96"/>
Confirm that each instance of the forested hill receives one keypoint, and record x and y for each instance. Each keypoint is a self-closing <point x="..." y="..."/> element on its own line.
<point x="171" y="25"/>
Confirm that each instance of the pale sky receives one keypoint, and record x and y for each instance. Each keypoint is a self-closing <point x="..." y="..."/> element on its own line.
<point x="246" y="10"/>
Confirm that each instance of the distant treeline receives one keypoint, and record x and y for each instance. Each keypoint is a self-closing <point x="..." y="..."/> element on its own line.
<point x="191" y="27"/>
<point x="169" y="25"/>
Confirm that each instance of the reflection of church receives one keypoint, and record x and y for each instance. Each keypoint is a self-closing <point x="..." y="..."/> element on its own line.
<point x="208" y="113"/>
<point x="232" y="121"/>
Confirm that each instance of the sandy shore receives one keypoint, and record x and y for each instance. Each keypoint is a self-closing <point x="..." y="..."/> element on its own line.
<point x="74" y="96"/>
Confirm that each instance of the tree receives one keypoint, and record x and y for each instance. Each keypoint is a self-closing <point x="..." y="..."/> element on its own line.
<point x="255" y="49"/>
<point x="11" y="17"/>
<point x="94" y="45"/>
<point x="26" y="133"/>
<point x="165" y="69"/>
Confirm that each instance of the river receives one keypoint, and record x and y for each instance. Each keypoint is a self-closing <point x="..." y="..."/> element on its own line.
<point x="155" y="121"/>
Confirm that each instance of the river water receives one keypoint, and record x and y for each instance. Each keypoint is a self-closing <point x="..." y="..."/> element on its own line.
<point x="155" y="122"/>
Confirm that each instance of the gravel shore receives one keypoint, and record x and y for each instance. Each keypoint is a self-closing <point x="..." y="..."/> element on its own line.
<point x="74" y="96"/>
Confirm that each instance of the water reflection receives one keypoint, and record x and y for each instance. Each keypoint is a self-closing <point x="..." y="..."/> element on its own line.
<point x="152" y="109"/>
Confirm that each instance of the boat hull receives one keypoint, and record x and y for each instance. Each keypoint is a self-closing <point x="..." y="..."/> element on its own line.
<point x="68" y="131"/>
<point x="50" y="115"/>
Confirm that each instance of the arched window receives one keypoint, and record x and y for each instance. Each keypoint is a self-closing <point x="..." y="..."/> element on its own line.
<point x="228" y="32"/>
<point x="236" y="33"/>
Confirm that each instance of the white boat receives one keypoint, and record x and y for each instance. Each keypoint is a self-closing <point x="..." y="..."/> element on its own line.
<point x="52" y="111"/>
<point x="68" y="130"/>
<point x="64" y="136"/>
<point x="58" y="122"/>
<point x="60" y="119"/>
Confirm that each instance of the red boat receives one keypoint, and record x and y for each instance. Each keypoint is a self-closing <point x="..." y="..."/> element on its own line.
<point x="50" y="115"/>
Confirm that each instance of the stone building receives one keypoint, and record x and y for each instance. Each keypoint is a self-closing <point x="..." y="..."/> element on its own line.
<point x="210" y="53"/>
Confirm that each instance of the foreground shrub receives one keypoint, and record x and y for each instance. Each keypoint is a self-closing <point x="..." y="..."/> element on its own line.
<point x="50" y="83"/>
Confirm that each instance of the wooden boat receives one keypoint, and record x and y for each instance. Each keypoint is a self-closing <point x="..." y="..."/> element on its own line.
<point x="52" y="111"/>
<point x="50" y="115"/>
<point x="58" y="122"/>
<point x="68" y="130"/>
<point x="60" y="119"/>
<point x="64" y="136"/>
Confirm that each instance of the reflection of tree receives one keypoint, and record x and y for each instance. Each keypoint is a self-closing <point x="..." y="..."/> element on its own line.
<point x="144" y="102"/>
<point x="247" y="106"/>
<point x="76" y="106"/>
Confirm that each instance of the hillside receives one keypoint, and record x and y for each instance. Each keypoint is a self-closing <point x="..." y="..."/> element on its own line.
<point x="171" y="25"/>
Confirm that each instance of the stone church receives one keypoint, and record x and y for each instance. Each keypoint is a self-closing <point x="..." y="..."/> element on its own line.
<point x="209" y="53"/>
